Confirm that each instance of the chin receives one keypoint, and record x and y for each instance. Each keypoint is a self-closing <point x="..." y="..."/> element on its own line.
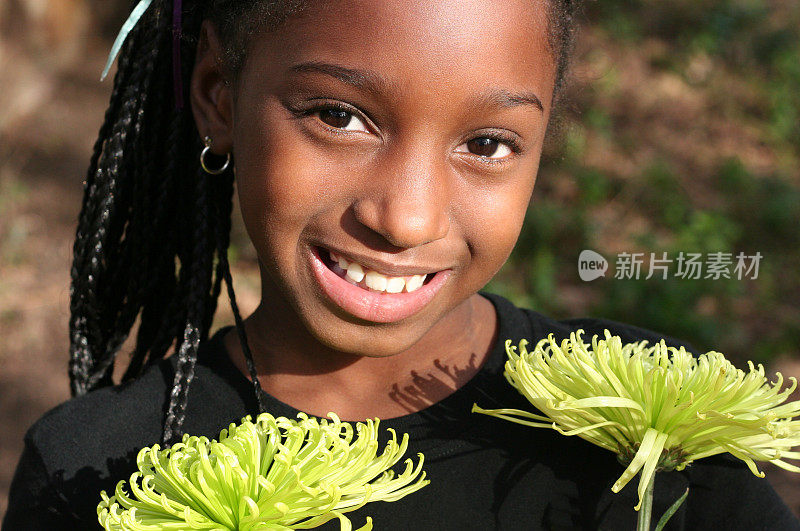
<point x="370" y="341"/>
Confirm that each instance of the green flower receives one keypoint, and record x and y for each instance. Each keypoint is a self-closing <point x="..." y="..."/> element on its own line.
<point x="274" y="473"/>
<point x="658" y="407"/>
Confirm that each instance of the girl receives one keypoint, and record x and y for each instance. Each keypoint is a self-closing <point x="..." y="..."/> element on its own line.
<point x="384" y="153"/>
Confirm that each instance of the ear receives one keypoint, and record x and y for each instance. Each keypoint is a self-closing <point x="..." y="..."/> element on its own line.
<point x="211" y="92"/>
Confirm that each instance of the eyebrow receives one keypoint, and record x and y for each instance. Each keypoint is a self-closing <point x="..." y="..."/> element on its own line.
<point x="373" y="82"/>
<point x="507" y="99"/>
<point x="362" y="79"/>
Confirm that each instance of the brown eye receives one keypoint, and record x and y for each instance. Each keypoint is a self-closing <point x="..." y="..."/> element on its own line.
<point x="487" y="147"/>
<point x="341" y="119"/>
<point x="335" y="117"/>
<point x="483" y="146"/>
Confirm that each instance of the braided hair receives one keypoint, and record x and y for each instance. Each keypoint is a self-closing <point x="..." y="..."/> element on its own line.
<point x="154" y="229"/>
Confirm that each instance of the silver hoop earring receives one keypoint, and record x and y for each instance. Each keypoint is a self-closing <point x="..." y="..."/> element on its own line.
<point x="206" y="151"/>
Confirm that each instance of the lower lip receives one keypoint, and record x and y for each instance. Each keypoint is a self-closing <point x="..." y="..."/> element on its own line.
<point x="370" y="305"/>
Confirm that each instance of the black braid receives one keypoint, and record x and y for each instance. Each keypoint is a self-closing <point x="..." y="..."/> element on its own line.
<point x="125" y="301"/>
<point x="128" y="239"/>
<point x="100" y="197"/>
<point x="153" y="232"/>
<point x="198" y="276"/>
<point x="223" y="240"/>
<point x="155" y="331"/>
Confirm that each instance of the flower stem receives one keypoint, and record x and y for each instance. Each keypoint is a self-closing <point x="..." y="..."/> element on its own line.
<point x="646" y="510"/>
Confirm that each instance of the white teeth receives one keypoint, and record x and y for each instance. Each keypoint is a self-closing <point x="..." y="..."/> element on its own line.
<point x="340" y="260"/>
<point x="395" y="285"/>
<point x="354" y="272"/>
<point x="376" y="281"/>
<point x="415" y="282"/>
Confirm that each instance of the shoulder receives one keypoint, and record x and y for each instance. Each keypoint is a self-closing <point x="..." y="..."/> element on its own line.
<point x="725" y="494"/>
<point x="81" y="447"/>
<point x="628" y="333"/>
<point x="120" y="420"/>
<point x="523" y="323"/>
<point x="89" y="443"/>
<point x="102" y="422"/>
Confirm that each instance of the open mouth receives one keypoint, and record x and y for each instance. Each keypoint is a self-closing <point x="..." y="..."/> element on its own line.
<point x="374" y="296"/>
<point x="371" y="280"/>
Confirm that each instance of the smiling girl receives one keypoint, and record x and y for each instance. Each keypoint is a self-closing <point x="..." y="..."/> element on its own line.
<point x="384" y="155"/>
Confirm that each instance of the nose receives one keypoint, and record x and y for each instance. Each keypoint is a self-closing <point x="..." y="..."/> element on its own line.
<point x="406" y="199"/>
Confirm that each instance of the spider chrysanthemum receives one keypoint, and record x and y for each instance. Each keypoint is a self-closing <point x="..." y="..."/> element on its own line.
<point x="657" y="407"/>
<point x="274" y="473"/>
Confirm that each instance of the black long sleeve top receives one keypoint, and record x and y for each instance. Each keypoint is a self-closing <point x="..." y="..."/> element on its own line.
<point x="485" y="473"/>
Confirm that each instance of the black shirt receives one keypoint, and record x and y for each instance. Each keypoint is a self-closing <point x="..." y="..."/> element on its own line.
<point x="485" y="473"/>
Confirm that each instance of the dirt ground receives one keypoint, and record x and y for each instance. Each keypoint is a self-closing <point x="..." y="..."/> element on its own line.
<point x="49" y="115"/>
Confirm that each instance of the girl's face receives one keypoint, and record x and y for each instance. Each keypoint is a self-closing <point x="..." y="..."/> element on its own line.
<point x="403" y="136"/>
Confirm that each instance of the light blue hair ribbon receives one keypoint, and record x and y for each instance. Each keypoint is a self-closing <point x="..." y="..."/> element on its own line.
<point x="134" y="17"/>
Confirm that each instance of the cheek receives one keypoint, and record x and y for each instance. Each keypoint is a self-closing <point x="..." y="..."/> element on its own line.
<point x="281" y="183"/>
<point x="494" y="223"/>
<point x="495" y="215"/>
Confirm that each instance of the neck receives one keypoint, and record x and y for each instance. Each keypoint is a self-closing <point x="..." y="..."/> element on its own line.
<point x="316" y="379"/>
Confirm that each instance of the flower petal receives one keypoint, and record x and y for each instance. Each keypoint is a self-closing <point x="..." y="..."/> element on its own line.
<point x="652" y="444"/>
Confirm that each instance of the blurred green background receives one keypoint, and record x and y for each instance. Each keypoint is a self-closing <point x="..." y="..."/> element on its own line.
<point x="680" y="133"/>
<point x="683" y="135"/>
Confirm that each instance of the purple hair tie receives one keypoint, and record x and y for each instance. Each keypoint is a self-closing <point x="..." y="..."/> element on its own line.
<point x="177" y="32"/>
